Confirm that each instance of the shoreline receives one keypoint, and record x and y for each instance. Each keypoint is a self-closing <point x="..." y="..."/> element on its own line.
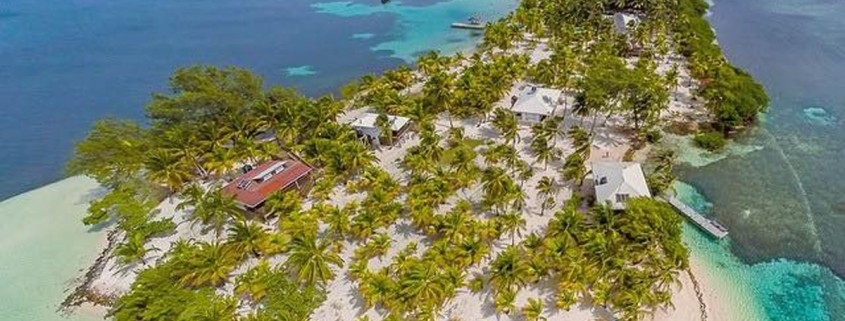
<point x="693" y="300"/>
<point x="83" y="294"/>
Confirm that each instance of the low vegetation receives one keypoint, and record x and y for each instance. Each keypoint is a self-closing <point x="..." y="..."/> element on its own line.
<point x="711" y="141"/>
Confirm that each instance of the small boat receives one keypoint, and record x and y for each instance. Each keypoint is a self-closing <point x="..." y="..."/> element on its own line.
<point x="473" y="22"/>
<point x="384" y="1"/>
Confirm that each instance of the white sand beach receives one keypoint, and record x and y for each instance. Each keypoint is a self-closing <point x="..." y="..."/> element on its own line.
<point x="344" y="302"/>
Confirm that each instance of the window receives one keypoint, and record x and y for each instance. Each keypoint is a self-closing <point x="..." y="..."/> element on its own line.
<point x="621" y="198"/>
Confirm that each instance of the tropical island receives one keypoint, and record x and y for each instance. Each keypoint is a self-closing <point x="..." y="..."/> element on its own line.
<point x="472" y="187"/>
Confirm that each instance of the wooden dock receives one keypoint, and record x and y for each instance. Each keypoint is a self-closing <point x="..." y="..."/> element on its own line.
<point x="462" y="25"/>
<point x="710" y="226"/>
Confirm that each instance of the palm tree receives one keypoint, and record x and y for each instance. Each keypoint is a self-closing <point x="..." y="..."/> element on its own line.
<point x="473" y="249"/>
<point x="505" y="301"/>
<point x="377" y="288"/>
<point x="185" y="143"/>
<point x="166" y="168"/>
<point x="439" y="92"/>
<point x="671" y="77"/>
<point x="357" y="157"/>
<point x="220" y="160"/>
<point x="210" y="264"/>
<point x="508" y="270"/>
<point x="452" y="225"/>
<point x="524" y="172"/>
<point x="497" y="186"/>
<point x="512" y="223"/>
<point x="214" y="308"/>
<point x="505" y="122"/>
<point x="214" y="209"/>
<point x="254" y="283"/>
<point x="283" y="203"/>
<point x="542" y="151"/>
<point x="573" y="168"/>
<point x="533" y="310"/>
<point x="546" y="189"/>
<point x="379" y="245"/>
<point x="432" y="62"/>
<point x="132" y="250"/>
<point x="463" y="160"/>
<point x="311" y="260"/>
<point x="248" y="237"/>
<point x="423" y="285"/>
<point x="338" y="220"/>
<point x="517" y="197"/>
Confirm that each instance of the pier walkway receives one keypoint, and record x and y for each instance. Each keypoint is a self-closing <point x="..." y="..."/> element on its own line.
<point x="462" y="25"/>
<point x="710" y="226"/>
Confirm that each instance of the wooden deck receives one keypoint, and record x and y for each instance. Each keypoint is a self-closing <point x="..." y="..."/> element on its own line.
<point x="710" y="226"/>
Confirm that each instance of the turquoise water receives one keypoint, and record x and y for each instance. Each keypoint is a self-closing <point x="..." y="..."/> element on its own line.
<point x="783" y="199"/>
<point x="776" y="290"/>
<point x="420" y="28"/>
<point x="43" y="246"/>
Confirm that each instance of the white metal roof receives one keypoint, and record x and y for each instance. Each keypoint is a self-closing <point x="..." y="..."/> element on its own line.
<point x="273" y="169"/>
<point x="368" y="120"/>
<point x="537" y="100"/>
<point x="614" y="178"/>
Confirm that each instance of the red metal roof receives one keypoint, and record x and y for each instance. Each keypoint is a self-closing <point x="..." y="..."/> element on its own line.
<point x="250" y="191"/>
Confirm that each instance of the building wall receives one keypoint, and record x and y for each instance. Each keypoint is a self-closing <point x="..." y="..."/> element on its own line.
<point x="528" y="117"/>
<point x="371" y="132"/>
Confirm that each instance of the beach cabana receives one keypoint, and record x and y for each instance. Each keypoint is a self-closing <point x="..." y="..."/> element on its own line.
<point x="252" y="188"/>
<point x="616" y="182"/>
<point x="366" y="127"/>
<point x="534" y="104"/>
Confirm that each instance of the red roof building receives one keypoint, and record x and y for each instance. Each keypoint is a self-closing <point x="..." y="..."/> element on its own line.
<point x="254" y="187"/>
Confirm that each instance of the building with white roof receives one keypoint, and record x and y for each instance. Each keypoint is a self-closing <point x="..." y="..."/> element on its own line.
<point x="616" y="182"/>
<point x="366" y="127"/>
<point x="535" y="104"/>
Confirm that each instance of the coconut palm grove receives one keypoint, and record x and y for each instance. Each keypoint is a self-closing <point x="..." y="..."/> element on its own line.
<point x="471" y="201"/>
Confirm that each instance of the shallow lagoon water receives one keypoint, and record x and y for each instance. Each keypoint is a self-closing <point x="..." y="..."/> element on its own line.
<point x="43" y="247"/>
<point x="775" y="290"/>
<point x="418" y="29"/>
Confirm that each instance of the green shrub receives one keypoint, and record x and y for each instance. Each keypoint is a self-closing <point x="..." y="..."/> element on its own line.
<point x="711" y="141"/>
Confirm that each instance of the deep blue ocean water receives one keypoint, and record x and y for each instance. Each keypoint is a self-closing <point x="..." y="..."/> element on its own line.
<point x="64" y="64"/>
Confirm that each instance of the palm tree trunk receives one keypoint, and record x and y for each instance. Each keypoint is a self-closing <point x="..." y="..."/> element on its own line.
<point x="593" y="125"/>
